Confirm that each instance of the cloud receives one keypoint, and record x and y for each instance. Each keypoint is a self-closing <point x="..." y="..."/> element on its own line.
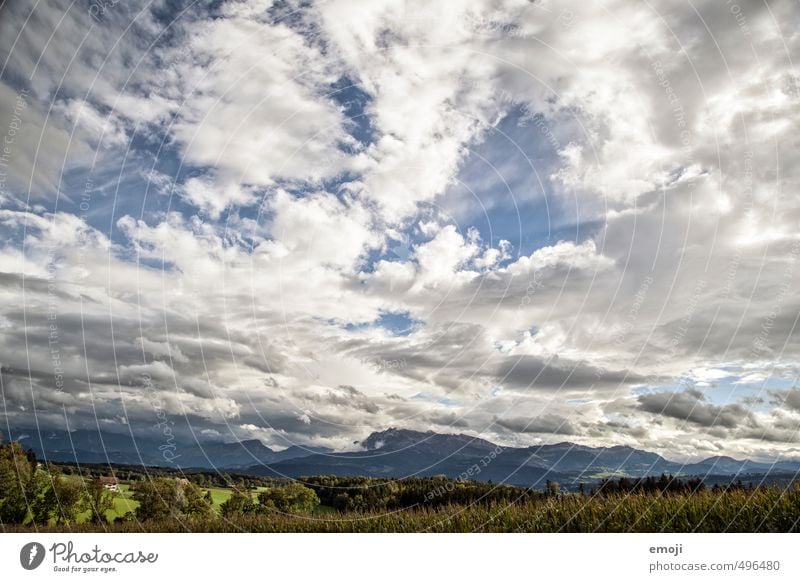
<point x="789" y="399"/>
<point x="563" y="254"/>
<point x="690" y="406"/>
<point x="349" y="396"/>
<point x="36" y="148"/>
<point x="255" y="116"/>
<point x="534" y="373"/>
<point x="547" y="424"/>
<point x="581" y="215"/>
<point x="213" y="197"/>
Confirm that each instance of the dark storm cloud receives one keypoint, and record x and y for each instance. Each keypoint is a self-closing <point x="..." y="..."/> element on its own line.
<point x="788" y="399"/>
<point x="547" y="423"/>
<point x="533" y="372"/>
<point x="690" y="406"/>
<point x="350" y="397"/>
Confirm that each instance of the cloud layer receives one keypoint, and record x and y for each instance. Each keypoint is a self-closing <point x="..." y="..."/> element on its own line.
<point x="530" y="221"/>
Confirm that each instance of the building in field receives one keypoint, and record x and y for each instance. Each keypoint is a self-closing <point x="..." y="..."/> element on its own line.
<point x="109" y="483"/>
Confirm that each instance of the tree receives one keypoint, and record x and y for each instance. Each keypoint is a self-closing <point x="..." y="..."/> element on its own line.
<point x="197" y="503"/>
<point x="28" y="491"/>
<point x="342" y="502"/>
<point x="43" y="503"/>
<point x="292" y="498"/>
<point x="70" y="497"/>
<point x="159" y="498"/>
<point x="237" y="504"/>
<point x="99" y="501"/>
<point x="125" y="517"/>
<point x="63" y="498"/>
<point x="18" y="485"/>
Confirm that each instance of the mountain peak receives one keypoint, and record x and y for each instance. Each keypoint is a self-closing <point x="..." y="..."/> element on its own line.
<point x="393" y="439"/>
<point x="721" y="459"/>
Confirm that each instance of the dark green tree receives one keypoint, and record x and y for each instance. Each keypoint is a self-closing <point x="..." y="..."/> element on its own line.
<point x="159" y="498"/>
<point x="64" y="498"/>
<point x="198" y="504"/>
<point x="18" y="483"/>
<point x="99" y="500"/>
<point x="237" y="504"/>
<point x="292" y="498"/>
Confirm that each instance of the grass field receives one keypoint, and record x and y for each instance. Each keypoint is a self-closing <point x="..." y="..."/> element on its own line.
<point x="124" y="502"/>
<point x="219" y="496"/>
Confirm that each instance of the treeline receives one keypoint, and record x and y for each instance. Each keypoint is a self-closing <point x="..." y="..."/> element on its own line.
<point x="292" y="498"/>
<point x="376" y="494"/>
<point x="648" y="485"/>
<point x="134" y="473"/>
<point x="666" y="484"/>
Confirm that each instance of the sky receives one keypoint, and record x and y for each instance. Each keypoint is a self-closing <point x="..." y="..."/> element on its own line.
<point x="302" y="222"/>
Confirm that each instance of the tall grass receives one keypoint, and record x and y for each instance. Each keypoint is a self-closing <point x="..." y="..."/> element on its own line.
<point x="761" y="510"/>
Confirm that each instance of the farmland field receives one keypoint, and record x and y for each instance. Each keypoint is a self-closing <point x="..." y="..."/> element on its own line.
<point x="763" y="510"/>
<point x="327" y="503"/>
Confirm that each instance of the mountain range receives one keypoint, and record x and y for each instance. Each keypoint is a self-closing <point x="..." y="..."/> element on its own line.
<point x="95" y="447"/>
<point x="392" y="453"/>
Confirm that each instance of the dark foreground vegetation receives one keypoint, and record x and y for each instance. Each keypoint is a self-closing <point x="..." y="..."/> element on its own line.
<point x="44" y="497"/>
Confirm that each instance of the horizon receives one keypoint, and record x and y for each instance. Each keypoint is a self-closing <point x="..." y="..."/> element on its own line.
<point x="303" y="223"/>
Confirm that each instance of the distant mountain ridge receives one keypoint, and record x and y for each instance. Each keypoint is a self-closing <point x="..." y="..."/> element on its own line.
<point x="393" y="452"/>
<point x="88" y="446"/>
<point x="402" y="453"/>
